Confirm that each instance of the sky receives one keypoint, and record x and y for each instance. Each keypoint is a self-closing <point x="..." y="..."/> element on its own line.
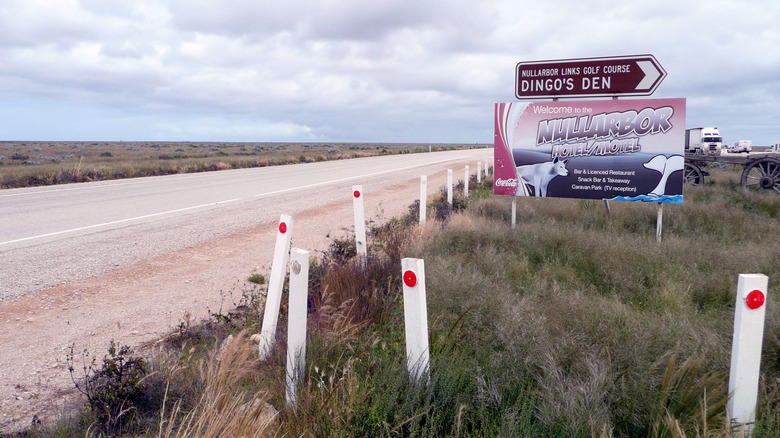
<point x="389" y="71"/>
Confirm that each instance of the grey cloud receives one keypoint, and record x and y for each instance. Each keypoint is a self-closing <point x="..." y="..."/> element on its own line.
<point x="380" y="70"/>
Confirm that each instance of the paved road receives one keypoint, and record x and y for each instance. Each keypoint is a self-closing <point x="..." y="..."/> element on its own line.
<point x="55" y="235"/>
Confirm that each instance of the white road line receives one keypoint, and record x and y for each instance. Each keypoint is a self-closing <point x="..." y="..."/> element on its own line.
<point x="292" y="189"/>
<point x="105" y="224"/>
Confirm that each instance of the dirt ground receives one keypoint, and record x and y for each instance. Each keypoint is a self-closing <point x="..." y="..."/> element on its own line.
<point x="143" y="302"/>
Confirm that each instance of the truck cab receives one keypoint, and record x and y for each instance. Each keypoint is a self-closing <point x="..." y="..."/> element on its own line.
<point x="711" y="141"/>
<point x="703" y="141"/>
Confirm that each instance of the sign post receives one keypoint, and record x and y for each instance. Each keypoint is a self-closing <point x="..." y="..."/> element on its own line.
<point x="360" y="221"/>
<point x="275" y="285"/>
<point x="296" y="322"/>
<point x="629" y="150"/>
<point x="466" y="183"/>
<point x="415" y="319"/>
<point x="749" y="313"/>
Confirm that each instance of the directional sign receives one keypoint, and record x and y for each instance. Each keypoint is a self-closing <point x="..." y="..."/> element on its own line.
<point x="637" y="75"/>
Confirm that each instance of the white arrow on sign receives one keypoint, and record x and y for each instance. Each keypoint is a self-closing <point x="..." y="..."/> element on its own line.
<point x="651" y="75"/>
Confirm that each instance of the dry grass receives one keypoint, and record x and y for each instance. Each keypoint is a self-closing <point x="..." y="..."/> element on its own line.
<point x="575" y="323"/>
<point x="24" y="164"/>
<point x="227" y="407"/>
<point x="591" y="308"/>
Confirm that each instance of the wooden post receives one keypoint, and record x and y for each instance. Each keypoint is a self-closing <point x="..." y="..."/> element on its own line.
<point x="749" y="314"/>
<point x="275" y="283"/>
<point x="360" y="220"/>
<point x="296" y="322"/>
<point x="423" y="198"/>
<point x="415" y="319"/>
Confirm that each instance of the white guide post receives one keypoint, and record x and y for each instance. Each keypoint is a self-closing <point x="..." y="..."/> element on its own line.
<point x="659" y="223"/>
<point x="479" y="172"/>
<point x="360" y="220"/>
<point x="466" y="183"/>
<point x="423" y="198"/>
<point x="749" y="315"/>
<point x="449" y="187"/>
<point x="416" y="319"/>
<point x="514" y="212"/>
<point x="296" y="322"/>
<point x="486" y="168"/>
<point x="275" y="283"/>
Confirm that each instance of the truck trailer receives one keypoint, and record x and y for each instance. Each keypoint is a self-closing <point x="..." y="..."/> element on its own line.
<point x="703" y="141"/>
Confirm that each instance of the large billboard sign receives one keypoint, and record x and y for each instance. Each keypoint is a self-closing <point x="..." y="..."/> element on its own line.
<point x="626" y="150"/>
<point x="637" y="75"/>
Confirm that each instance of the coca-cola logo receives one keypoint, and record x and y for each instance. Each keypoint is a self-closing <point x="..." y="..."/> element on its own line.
<point x="510" y="182"/>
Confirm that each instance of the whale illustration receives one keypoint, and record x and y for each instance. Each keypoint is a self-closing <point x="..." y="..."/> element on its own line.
<point x="666" y="166"/>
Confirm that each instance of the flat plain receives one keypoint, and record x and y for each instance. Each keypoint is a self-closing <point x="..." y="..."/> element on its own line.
<point x="37" y="163"/>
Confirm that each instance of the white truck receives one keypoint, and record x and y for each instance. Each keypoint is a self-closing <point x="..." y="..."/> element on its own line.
<point x="741" y="146"/>
<point x="703" y="141"/>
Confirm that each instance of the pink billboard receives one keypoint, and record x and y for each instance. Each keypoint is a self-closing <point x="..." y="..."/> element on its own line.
<point x="626" y="150"/>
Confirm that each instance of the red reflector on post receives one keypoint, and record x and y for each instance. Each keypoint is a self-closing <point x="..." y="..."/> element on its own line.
<point x="755" y="299"/>
<point x="282" y="227"/>
<point x="410" y="278"/>
<point x="356" y="193"/>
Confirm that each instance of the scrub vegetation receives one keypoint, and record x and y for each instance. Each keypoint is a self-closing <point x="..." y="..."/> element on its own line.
<point x="27" y="164"/>
<point x="574" y="323"/>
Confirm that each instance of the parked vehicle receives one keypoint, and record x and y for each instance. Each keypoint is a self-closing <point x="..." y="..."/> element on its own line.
<point x="705" y="141"/>
<point x="741" y="146"/>
<point x="761" y="172"/>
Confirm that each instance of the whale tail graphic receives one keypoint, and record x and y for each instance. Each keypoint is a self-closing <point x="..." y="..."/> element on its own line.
<point x="665" y="166"/>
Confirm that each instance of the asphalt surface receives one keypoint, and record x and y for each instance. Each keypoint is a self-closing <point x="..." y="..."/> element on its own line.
<point x="55" y="235"/>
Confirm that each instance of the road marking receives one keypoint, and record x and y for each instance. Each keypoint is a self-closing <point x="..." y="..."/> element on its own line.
<point x="106" y="224"/>
<point x="324" y="183"/>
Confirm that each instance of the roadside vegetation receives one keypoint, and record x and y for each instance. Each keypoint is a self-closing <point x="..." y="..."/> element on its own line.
<point x="576" y="323"/>
<point x="27" y="164"/>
